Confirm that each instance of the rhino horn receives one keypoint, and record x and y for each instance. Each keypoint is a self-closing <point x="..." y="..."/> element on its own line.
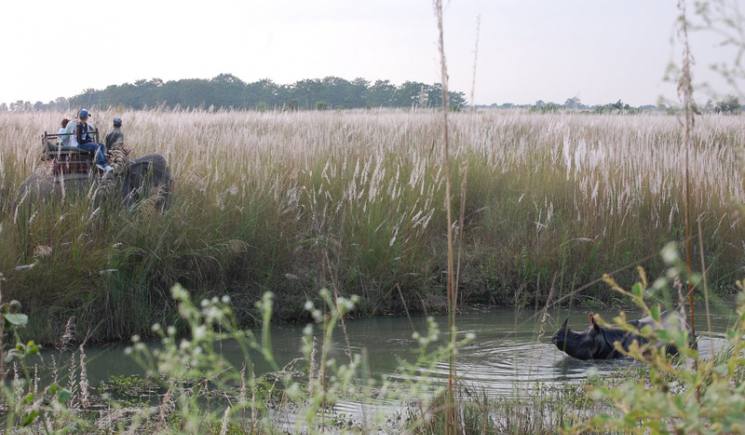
<point x="594" y="322"/>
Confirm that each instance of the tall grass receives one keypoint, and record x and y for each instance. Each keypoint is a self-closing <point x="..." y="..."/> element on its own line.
<point x="451" y="420"/>
<point x="260" y="197"/>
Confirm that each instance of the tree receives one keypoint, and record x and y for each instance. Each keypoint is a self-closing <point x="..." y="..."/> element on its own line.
<point x="457" y="100"/>
<point x="228" y="91"/>
<point x="573" y="103"/>
<point x="381" y="94"/>
<point x="359" y="89"/>
<point x="724" y="20"/>
<point x="618" y="105"/>
<point x="262" y="94"/>
<point x="544" y="107"/>
<point x="407" y="95"/>
<point x="3" y="107"/>
<point x="21" y="106"/>
<point x="61" y="103"/>
<point x="728" y="105"/>
<point x="423" y="100"/>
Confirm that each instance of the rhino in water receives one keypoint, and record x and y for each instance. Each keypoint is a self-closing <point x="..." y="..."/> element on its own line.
<point x="597" y="342"/>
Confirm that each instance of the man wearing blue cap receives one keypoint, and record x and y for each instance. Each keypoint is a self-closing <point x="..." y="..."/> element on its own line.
<point x="85" y="141"/>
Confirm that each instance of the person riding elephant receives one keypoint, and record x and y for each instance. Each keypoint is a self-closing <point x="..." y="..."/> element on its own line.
<point x="84" y="139"/>
<point x="118" y="154"/>
<point x="142" y="183"/>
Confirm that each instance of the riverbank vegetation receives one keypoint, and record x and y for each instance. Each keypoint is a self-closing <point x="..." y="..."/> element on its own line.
<point x="293" y="202"/>
<point x="189" y="386"/>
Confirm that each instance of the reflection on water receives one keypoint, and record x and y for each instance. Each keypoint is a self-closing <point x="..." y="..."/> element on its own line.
<point x="508" y="356"/>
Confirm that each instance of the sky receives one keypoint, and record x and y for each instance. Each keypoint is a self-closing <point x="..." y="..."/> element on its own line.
<point x="597" y="50"/>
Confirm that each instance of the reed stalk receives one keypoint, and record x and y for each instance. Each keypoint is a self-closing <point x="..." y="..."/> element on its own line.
<point x="451" y="418"/>
<point x="2" y="335"/>
<point x="703" y="275"/>
<point x="475" y="62"/>
<point x="461" y="224"/>
<point x="685" y="90"/>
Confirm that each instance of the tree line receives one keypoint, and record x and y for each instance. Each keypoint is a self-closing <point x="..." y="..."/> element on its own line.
<point x="724" y="105"/>
<point x="227" y="91"/>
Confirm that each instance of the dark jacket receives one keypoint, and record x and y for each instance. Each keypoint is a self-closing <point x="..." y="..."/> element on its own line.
<point x="117" y="153"/>
<point x="114" y="138"/>
<point x="82" y="133"/>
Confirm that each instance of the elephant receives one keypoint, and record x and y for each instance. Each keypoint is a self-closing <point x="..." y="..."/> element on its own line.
<point x="143" y="178"/>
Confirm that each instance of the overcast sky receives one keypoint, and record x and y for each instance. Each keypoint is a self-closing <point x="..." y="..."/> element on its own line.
<point x="599" y="50"/>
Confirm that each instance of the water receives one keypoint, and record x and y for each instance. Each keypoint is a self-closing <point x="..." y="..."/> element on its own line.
<point x="508" y="356"/>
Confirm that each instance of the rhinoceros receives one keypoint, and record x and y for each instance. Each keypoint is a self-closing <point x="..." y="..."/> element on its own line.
<point x="597" y="342"/>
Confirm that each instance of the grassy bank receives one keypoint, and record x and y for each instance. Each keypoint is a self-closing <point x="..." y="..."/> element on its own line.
<point x="190" y="386"/>
<point x="291" y="202"/>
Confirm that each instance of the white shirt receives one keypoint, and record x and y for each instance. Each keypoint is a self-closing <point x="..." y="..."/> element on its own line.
<point x="73" y="139"/>
<point x="61" y="138"/>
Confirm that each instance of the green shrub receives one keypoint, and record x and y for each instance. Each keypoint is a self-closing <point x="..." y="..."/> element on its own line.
<point x="683" y="393"/>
